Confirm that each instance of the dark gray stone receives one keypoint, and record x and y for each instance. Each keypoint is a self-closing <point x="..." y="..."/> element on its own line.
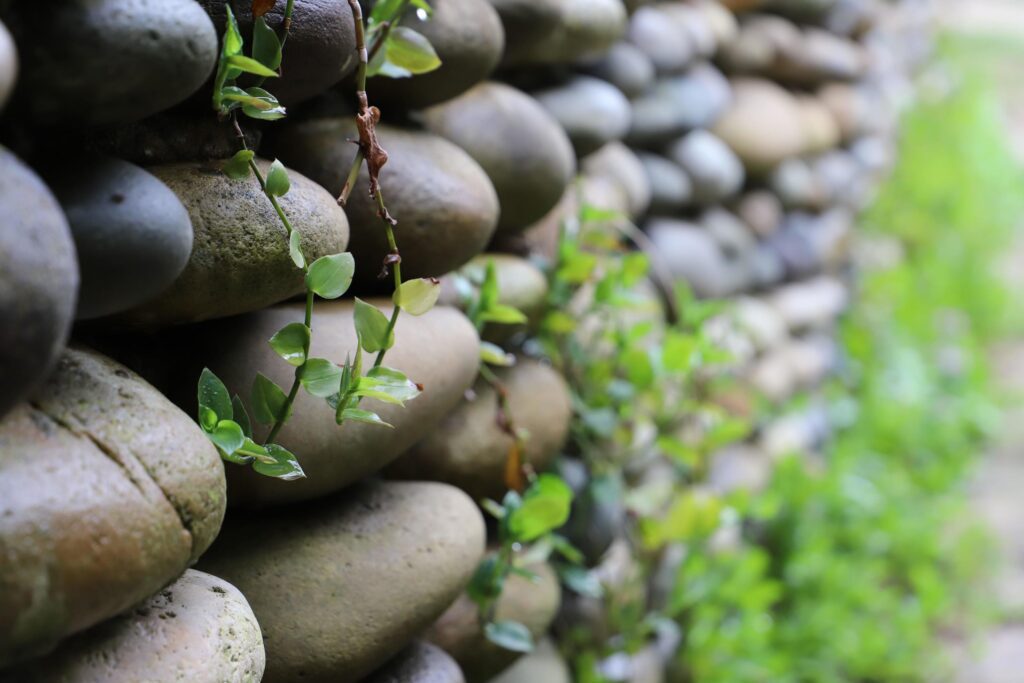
<point x="92" y="62"/>
<point x="38" y="280"/>
<point x="132" y="234"/>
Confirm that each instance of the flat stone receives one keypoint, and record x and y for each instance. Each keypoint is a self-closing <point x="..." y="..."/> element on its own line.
<point x="469" y="449"/>
<point x="38" y="280"/>
<point x="468" y="38"/>
<point x="71" y="52"/>
<point x="584" y="29"/>
<point x="626" y="67"/>
<point x="671" y="189"/>
<point x="521" y="285"/>
<point x="678" y="104"/>
<point x="107" y="493"/>
<point x="321" y="43"/>
<point x="342" y="585"/>
<point x="421" y="662"/>
<point x="592" y="112"/>
<point x="439" y="350"/>
<point x="545" y="664"/>
<point x="714" y="171"/>
<point x="763" y="125"/>
<point x="445" y="205"/>
<point x="200" y="629"/>
<point x="240" y="260"/>
<point x="620" y="165"/>
<point x="520" y="146"/>
<point x="132" y="234"/>
<point x="531" y="603"/>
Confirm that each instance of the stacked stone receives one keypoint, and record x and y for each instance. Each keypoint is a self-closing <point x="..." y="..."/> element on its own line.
<point x="742" y="143"/>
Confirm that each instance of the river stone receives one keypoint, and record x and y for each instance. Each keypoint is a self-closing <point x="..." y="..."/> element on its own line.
<point x="518" y="143"/>
<point x="626" y="67"/>
<point x="38" y="280"/>
<point x="132" y="235"/>
<point x="714" y="171"/>
<point x="620" y="165"/>
<point x="75" y="58"/>
<point x="584" y="29"/>
<point x="821" y="132"/>
<point x="545" y="664"/>
<point x="172" y="136"/>
<point x="691" y="254"/>
<point x="468" y="37"/>
<point x="239" y="258"/>
<point x="532" y="603"/>
<point x="421" y="662"/>
<point x="444" y="204"/>
<point x="439" y="350"/>
<point x="763" y="125"/>
<point x="671" y="189"/>
<point x="814" y="303"/>
<point x="107" y="493"/>
<point x="340" y="586"/>
<point x="526" y="23"/>
<point x="761" y="211"/>
<point x="678" y="104"/>
<point x="8" y="64"/>
<point x="521" y="285"/>
<point x="663" y="38"/>
<point x="469" y="449"/>
<point x="592" y="112"/>
<point x="199" y="629"/>
<point x="321" y="43"/>
<point x="795" y="184"/>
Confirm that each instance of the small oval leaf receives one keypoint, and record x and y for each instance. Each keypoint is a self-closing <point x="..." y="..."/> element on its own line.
<point x="331" y="276"/>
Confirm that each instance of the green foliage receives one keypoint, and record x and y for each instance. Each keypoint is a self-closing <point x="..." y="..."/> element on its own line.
<point x="330" y="276"/>
<point x="854" y="567"/>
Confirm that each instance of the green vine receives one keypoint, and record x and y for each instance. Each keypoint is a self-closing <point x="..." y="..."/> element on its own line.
<point x="226" y="420"/>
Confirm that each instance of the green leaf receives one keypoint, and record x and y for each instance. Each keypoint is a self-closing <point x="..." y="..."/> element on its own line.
<point x="267" y="399"/>
<point x="422" y="4"/>
<point x="241" y="415"/>
<point x="678" y="351"/>
<point x="250" y="66"/>
<point x="639" y="369"/>
<point x="228" y="436"/>
<point x="232" y="36"/>
<point x="207" y="419"/>
<point x="385" y="10"/>
<point x="411" y="51"/>
<point x="492" y="354"/>
<point x="260" y="104"/>
<point x="285" y="466"/>
<point x="488" y="579"/>
<point x="545" y="507"/>
<point x="502" y="314"/>
<point x="418" y="296"/>
<point x="278" y="182"/>
<point x="357" y="415"/>
<point x="291" y="342"/>
<point x="581" y="581"/>
<point x="266" y="46"/>
<point x="331" y="276"/>
<point x="214" y="396"/>
<point x="510" y="635"/>
<point x="321" y="377"/>
<point x="385" y="68"/>
<point x="295" y="249"/>
<point x="372" y="328"/>
<point x="388" y="385"/>
<point x="237" y="167"/>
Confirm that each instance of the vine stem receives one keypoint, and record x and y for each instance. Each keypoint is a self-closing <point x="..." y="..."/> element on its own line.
<point x="293" y="392"/>
<point x="374" y="156"/>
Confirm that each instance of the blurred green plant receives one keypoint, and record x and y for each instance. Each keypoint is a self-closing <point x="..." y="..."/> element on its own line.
<point x="853" y="567"/>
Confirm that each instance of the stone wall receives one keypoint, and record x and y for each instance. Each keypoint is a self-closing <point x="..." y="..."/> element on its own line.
<point x="741" y="137"/>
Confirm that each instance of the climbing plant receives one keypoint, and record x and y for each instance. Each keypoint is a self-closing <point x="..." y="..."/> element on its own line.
<point x="394" y="52"/>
